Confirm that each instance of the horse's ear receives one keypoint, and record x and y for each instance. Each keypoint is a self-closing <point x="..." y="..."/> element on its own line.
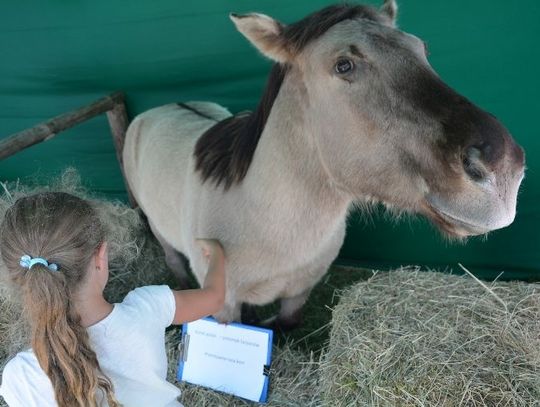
<point x="265" y="33"/>
<point x="390" y="9"/>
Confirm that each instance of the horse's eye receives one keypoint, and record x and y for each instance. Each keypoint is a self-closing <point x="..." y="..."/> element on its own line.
<point x="343" y="66"/>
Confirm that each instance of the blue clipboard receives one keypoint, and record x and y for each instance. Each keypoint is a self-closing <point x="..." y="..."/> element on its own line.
<point x="184" y="352"/>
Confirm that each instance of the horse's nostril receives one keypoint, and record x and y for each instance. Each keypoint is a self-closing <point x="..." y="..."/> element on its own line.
<point x="472" y="163"/>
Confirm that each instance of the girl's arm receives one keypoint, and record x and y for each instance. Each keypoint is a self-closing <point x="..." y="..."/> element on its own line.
<point x="195" y="304"/>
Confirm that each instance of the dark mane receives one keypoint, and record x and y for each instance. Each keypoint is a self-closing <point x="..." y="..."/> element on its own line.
<point x="311" y="27"/>
<point x="225" y="151"/>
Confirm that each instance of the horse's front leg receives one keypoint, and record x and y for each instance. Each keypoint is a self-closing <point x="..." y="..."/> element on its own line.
<point x="175" y="260"/>
<point x="290" y="314"/>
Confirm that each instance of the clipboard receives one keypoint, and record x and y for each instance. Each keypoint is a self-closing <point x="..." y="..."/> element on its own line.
<point x="233" y="358"/>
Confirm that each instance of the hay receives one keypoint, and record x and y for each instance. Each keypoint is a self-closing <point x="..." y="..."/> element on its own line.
<point x="12" y="326"/>
<point x="136" y="259"/>
<point x="126" y="235"/>
<point x="293" y="380"/>
<point x="412" y="338"/>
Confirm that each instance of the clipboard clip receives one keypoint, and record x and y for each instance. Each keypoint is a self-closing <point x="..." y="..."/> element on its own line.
<point x="183" y="348"/>
<point x="266" y="370"/>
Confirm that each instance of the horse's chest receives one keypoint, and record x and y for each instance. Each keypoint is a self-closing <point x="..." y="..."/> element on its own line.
<point x="291" y="269"/>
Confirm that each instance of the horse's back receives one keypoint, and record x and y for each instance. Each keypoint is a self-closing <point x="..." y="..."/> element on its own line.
<point x="166" y="131"/>
<point x="157" y="157"/>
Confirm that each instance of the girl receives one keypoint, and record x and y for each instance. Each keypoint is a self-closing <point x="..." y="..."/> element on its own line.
<point x="85" y="351"/>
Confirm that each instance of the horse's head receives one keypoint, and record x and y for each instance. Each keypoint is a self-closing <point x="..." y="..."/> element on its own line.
<point x="387" y="128"/>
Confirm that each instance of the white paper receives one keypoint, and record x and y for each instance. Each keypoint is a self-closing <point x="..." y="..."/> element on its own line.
<point x="228" y="358"/>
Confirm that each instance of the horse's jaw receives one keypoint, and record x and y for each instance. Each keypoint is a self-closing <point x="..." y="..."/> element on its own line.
<point x="450" y="225"/>
<point x="464" y="216"/>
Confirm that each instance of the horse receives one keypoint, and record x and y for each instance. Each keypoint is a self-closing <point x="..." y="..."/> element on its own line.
<point x="352" y="113"/>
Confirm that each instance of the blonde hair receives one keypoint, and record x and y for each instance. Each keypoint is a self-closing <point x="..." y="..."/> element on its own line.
<point x="67" y="231"/>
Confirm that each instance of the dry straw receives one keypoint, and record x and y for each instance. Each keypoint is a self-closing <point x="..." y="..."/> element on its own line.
<point x="127" y="237"/>
<point x="135" y="260"/>
<point x="294" y="381"/>
<point x="413" y="338"/>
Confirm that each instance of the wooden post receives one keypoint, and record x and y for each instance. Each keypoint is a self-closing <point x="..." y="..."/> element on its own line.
<point x="118" y="122"/>
<point x="116" y="114"/>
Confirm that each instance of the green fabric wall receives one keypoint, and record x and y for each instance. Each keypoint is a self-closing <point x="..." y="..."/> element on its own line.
<point x="58" y="55"/>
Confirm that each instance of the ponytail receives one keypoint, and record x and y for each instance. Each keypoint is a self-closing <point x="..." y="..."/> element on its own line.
<point x="61" y="343"/>
<point x="65" y="230"/>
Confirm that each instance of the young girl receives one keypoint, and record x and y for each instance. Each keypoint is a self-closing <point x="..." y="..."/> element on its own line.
<point x="85" y="351"/>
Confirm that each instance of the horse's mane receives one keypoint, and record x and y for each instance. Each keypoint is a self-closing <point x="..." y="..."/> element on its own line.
<point x="225" y="151"/>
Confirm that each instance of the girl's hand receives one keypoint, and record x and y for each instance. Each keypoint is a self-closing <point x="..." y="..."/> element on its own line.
<point x="209" y="247"/>
<point x="210" y="298"/>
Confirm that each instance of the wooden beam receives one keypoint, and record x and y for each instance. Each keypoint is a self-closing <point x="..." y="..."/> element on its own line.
<point x="113" y="105"/>
<point x="46" y="130"/>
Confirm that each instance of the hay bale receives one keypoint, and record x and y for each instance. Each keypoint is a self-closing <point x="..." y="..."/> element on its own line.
<point x="412" y="338"/>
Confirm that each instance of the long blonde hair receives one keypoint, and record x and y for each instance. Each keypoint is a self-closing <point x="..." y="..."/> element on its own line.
<point x="67" y="231"/>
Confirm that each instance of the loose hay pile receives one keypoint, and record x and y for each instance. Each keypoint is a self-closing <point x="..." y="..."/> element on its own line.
<point x="293" y="382"/>
<point x="136" y="259"/>
<point x="412" y="338"/>
<point x="126" y="236"/>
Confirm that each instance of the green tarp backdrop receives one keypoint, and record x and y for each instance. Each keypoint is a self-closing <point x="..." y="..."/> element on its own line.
<point x="58" y="55"/>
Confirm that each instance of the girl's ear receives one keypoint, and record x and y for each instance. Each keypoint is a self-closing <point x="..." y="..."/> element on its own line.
<point x="102" y="258"/>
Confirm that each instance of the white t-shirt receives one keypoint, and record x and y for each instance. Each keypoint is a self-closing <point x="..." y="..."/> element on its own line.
<point x="130" y="347"/>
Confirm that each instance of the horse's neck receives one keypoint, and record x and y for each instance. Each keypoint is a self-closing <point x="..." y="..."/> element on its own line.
<point x="287" y="173"/>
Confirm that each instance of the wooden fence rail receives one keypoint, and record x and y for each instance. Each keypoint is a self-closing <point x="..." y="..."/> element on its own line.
<point x="112" y="104"/>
